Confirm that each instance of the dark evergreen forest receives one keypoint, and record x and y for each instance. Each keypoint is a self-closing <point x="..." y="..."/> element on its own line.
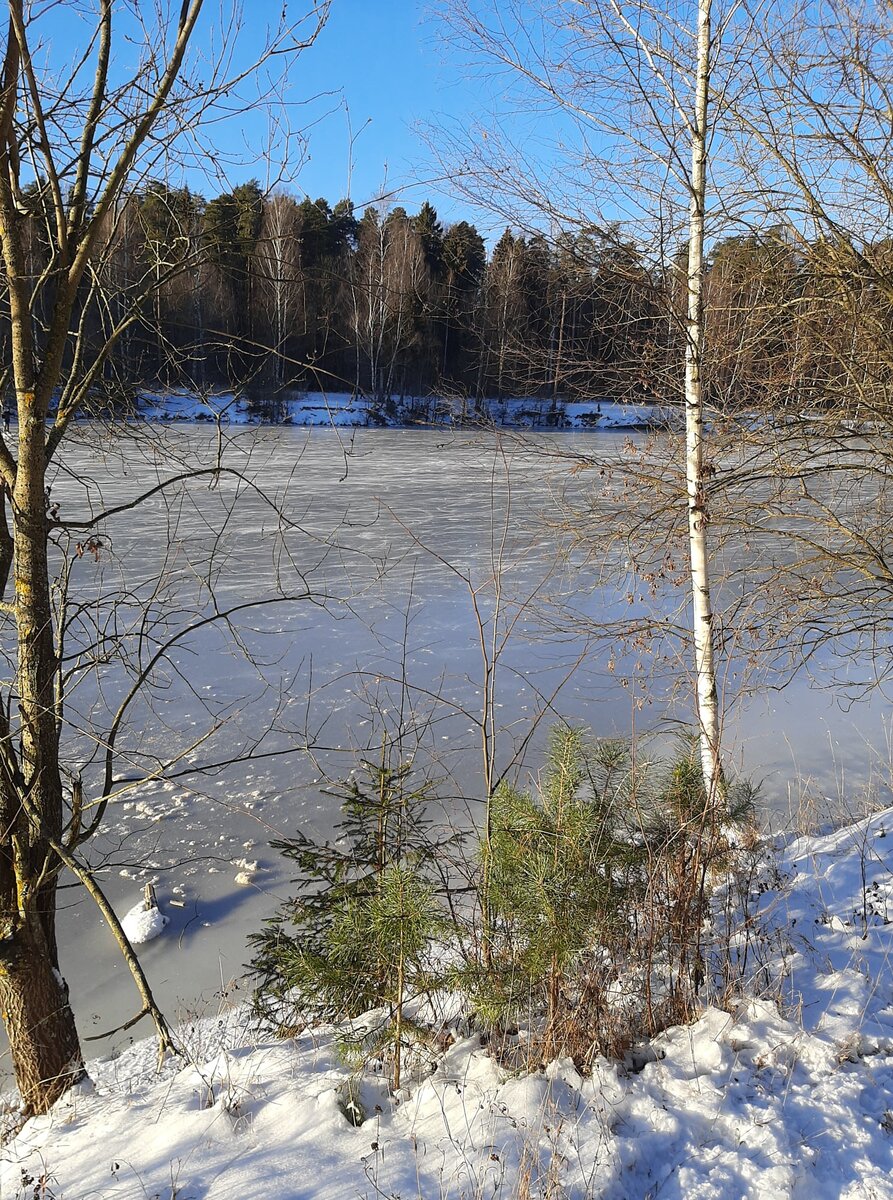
<point x="266" y="293"/>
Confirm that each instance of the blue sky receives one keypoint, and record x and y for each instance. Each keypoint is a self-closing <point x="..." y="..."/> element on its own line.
<point x="378" y="71"/>
<point x="386" y="65"/>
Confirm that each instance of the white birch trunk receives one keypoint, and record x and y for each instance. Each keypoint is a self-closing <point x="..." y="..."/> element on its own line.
<point x="707" y="701"/>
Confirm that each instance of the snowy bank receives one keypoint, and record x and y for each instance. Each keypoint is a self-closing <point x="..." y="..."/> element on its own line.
<point x="759" y="1102"/>
<point x="346" y="411"/>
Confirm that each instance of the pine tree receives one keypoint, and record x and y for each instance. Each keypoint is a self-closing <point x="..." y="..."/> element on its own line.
<point x="554" y="889"/>
<point x="464" y="261"/>
<point x="598" y="887"/>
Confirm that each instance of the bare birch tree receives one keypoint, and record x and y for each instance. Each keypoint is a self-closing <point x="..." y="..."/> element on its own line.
<point x="695" y="459"/>
<point x="810" y="494"/>
<point x="278" y="268"/>
<point x="630" y="88"/>
<point x="136" y="88"/>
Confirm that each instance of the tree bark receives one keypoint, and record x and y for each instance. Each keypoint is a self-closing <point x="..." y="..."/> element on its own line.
<point x="43" y="1039"/>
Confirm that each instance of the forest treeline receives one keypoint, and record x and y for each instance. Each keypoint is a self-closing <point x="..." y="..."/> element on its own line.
<point x="269" y="292"/>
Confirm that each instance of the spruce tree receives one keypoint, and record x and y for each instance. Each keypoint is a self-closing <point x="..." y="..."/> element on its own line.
<point x="354" y="936"/>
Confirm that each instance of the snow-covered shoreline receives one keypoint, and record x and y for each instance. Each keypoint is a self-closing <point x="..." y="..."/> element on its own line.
<point x="759" y="1101"/>
<point x="346" y="411"/>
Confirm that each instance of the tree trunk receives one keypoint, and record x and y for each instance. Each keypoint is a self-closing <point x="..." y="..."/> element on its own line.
<point x="83" y="149"/>
<point x="707" y="703"/>
<point x="33" y="995"/>
<point x="46" y="1053"/>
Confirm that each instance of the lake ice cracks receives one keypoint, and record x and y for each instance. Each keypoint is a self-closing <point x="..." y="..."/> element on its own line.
<point x="768" y="1100"/>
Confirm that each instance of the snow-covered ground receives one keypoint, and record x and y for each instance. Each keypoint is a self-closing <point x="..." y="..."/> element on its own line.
<point x="343" y="410"/>
<point x="763" y="1101"/>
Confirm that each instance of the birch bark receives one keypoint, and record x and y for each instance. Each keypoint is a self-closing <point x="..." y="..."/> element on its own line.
<point x="706" y="695"/>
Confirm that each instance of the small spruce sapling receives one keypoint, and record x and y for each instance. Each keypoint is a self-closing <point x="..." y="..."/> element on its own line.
<point x="355" y="933"/>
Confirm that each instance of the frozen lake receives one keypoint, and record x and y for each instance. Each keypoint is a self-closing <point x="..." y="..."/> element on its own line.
<point x="351" y="570"/>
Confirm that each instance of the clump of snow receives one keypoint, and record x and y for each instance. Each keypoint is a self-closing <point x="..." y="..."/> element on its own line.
<point x="247" y="870"/>
<point x="142" y="924"/>
<point x="786" y="1095"/>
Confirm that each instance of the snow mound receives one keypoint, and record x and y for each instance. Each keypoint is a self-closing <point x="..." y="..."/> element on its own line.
<point x="143" y="924"/>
